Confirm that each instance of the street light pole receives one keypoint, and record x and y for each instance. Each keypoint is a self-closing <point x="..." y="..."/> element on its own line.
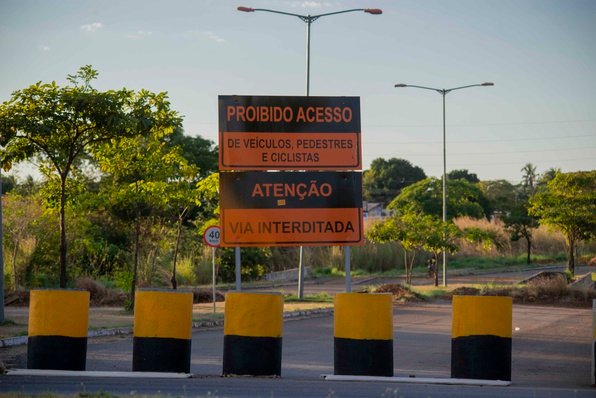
<point x="444" y="92"/>
<point x="1" y="255"/>
<point x="309" y="19"/>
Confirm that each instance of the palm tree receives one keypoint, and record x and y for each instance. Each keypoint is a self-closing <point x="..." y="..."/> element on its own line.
<point x="529" y="178"/>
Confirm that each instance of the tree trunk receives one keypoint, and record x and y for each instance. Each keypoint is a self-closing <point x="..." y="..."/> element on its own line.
<point x="63" y="279"/>
<point x="15" y="277"/>
<point x="571" y="258"/>
<point x="409" y="267"/>
<point x="529" y="252"/>
<point x="173" y="280"/>
<point x="436" y="265"/>
<point x="133" y="285"/>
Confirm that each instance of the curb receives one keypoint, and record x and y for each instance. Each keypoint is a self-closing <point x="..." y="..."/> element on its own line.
<point x="294" y="315"/>
<point x="96" y="373"/>
<point x="419" y="380"/>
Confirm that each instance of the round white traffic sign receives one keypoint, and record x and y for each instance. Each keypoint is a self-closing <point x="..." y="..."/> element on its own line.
<point x="211" y="236"/>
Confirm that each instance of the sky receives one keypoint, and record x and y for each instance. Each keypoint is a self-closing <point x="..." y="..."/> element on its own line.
<point x="540" y="54"/>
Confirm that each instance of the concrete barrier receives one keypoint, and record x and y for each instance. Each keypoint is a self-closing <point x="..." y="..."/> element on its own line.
<point x="481" y="338"/>
<point x="162" y="331"/>
<point x="253" y="324"/>
<point x="58" y="323"/>
<point x="363" y="334"/>
<point x="594" y="342"/>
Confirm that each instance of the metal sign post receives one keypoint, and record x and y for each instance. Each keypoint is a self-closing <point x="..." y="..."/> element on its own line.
<point x="212" y="238"/>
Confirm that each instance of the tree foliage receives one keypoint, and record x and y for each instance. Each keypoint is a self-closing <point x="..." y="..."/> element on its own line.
<point x="463" y="199"/>
<point x="147" y="175"/>
<point x="500" y="194"/>
<point x="60" y="126"/>
<point x="568" y="204"/>
<point x="416" y="232"/>
<point x="386" y="178"/>
<point x="463" y="174"/>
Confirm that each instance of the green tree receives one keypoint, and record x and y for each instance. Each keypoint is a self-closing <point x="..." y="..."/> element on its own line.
<point x="440" y="236"/>
<point x="141" y="168"/>
<point x="463" y="173"/>
<point x="463" y="199"/>
<point x="8" y="183"/>
<point x="529" y="178"/>
<point x="547" y="176"/>
<point x="59" y="125"/>
<point x="20" y="217"/>
<point x="179" y="199"/>
<point x="415" y="232"/>
<point x="501" y="195"/>
<point x="518" y="221"/>
<point x="386" y="178"/>
<point x="197" y="151"/>
<point x="568" y="204"/>
<point x="208" y="195"/>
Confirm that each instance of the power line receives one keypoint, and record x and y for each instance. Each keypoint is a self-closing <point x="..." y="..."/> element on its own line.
<point x="504" y="163"/>
<point x="473" y="141"/>
<point x="486" y="124"/>
<point x="504" y="152"/>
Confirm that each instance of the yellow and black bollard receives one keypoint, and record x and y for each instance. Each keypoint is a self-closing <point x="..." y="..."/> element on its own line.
<point x="253" y="334"/>
<point x="593" y="340"/>
<point x="481" y="338"/>
<point x="363" y="334"/>
<point x="162" y="331"/>
<point x="58" y="327"/>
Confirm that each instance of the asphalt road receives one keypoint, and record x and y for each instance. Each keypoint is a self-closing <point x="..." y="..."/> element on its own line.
<point x="551" y="358"/>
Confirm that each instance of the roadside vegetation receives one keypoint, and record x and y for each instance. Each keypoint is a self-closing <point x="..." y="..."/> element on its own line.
<point x="124" y="195"/>
<point x="541" y="291"/>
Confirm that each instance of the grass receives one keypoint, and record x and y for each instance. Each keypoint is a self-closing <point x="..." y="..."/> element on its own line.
<point x="218" y="316"/>
<point x="309" y="298"/>
<point x="431" y="293"/>
<point x="482" y="263"/>
<point x="460" y="263"/>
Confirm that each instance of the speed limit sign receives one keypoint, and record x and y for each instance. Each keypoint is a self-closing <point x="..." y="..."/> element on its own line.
<point x="211" y="236"/>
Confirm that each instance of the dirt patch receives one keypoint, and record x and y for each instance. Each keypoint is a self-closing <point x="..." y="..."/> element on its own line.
<point x="545" y="291"/>
<point x="401" y="294"/>
<point x="18" y="298"/>
<point x="464" y="291"/>
<point x="206" y="296"/>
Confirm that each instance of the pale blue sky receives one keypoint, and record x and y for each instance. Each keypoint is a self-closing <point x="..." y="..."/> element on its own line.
<point x="541" y="55"/>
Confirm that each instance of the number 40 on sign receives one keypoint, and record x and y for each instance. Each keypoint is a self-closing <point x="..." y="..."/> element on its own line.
<point x="211" y="236"/>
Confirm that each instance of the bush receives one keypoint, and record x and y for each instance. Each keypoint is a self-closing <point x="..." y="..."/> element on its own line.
<point x="100" y="295"/>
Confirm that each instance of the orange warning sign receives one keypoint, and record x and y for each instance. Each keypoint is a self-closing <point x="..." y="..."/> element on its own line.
<point x="289" y="133"/>
<point x="290" y="208"/>
<point x="290" y="151"/>
<point x="291" y="227"/>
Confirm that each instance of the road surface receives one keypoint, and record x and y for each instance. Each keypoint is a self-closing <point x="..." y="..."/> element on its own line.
<point x="551" y="357"/>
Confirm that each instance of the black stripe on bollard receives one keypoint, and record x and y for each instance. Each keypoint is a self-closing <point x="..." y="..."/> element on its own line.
<point x="481" y="357"/>
<point x="594" y="336"/>
<point x="58" y="324"/>
<point x="363" y="357"/>
<point x="161" y="355"/>
<point x="256" y="356"/>
<point x="162" y="331"/>
<point x="481" y="338"/>
<point x="56" y="352"/>
<point x="253" y="334"/>
<point x="363" y="334"/>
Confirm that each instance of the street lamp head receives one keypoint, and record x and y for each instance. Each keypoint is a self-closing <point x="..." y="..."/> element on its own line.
<point x="401" y="85"/>
<point x="245" y="9"/>
<point x="488" y="84"/>
<point x="373" y="11"/>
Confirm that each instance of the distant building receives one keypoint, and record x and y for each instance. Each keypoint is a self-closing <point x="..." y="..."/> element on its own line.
<point x="375" y="210"/>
